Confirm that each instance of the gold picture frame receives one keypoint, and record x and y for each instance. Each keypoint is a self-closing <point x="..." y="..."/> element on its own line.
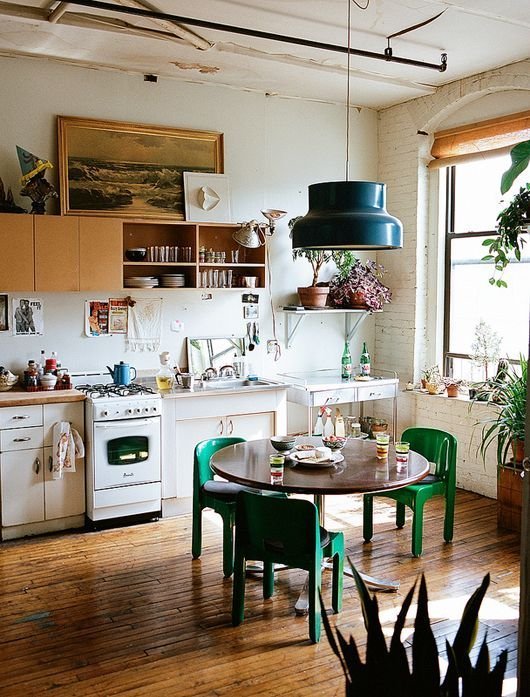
<point x="120" y="169"/>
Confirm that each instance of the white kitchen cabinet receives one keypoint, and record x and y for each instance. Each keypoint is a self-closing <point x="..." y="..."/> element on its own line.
<point x="186" y="420"/>
<point x="32" y="501"/>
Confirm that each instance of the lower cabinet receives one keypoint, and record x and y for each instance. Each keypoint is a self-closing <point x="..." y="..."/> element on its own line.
<point x="32" y="501"/>
<point x="188" y="420"/>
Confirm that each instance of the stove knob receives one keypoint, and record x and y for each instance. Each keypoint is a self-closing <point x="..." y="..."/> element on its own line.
<point x="146" y="410"/>
<point x="154" y="410"/>
<point x="138" y="410"/>
<point x="105" y="412"/>
<point x="129" y="411"/>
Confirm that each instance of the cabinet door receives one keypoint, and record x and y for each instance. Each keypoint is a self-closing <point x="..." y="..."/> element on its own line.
<point x="188" y="433"/>
<point x="63" y="411"/>
<point x="56" y="253"/>
<point x="251" y="426"/>
<point x="63" y="497"/>
<point x="22" y="487"/>
<point x="16" y="243"/>
<point x="100" y="254"/>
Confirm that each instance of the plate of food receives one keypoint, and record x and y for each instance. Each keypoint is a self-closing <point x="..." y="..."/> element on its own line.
<point x="309" y="458"/>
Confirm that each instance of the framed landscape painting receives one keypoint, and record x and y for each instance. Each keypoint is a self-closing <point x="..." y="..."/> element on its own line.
<point x="124" y="169"/>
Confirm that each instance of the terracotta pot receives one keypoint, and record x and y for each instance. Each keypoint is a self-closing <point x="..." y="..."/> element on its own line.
<point x="358" y="300"/>
<point x="509" y="498"/>
<point x="518" y="450"/>
<point x="313" y="296"/>
<point x="452" y="390"/>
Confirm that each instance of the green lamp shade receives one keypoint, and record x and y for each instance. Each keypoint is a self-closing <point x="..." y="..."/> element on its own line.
<point x="347" y="215"/>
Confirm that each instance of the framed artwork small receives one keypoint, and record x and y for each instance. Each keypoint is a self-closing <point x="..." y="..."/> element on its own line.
<point x="207" y="197"/>
<point x="4" y="313"/>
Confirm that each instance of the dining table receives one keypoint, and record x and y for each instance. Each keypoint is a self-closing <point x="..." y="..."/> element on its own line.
<point x="355" y="469"/>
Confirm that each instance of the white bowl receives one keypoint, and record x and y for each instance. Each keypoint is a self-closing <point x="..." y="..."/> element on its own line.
<point x="7" y="382"/>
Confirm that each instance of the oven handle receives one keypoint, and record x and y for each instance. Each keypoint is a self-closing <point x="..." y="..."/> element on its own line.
<point x="125" y="423"/>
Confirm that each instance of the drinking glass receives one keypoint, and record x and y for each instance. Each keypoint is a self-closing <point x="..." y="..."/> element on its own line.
<point x="402" y="454"/>
<point x="382" y="441"/>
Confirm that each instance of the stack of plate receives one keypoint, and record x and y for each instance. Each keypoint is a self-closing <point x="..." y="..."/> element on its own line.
<point x="141" y="282"/>
<point x="172" y="280"/>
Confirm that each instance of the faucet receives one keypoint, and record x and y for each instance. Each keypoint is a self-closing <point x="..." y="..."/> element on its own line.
<point x="209" y="373"/>
<point x="227" y="371"/>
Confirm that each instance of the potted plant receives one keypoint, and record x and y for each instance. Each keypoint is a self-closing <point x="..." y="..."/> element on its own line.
<point x="358" y="284"/>
<point x="432" y="380"/>
<point x="316" y="294"/>
<point x="485" y="347"/>
<point x="452" y="385"/>
<point x="506" y="429"/>
<point x="513" y="220"/>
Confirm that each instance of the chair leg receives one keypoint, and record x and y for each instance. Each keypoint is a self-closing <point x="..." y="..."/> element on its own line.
<point x="368" y="514"/>
<point x="417" y="528"/>
<point x="338" y="576"/>
<point x="238" y="591"/>
<point x="449" y="515"/>
<point x="228" y="544"/>
<point x="314" y="605"/>
<point x="400" y="514"/>
<point x="196" y="532"/>
<point x="268" y="579"/>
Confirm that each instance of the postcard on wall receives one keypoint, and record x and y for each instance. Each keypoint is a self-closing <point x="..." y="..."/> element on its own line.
<point x="4" y="313"/>
<point x="97" y="317"/>
<point x="118" y="309"/>
<point x="27" y="317"/>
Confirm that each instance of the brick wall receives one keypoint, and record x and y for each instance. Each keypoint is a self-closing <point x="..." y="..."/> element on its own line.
<point x="403" y="332"/>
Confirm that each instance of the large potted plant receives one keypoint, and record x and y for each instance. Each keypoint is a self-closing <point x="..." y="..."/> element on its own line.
<point x="358" y="284"/>
<point x="505" y="429"/>
<point x="315" y="295"/>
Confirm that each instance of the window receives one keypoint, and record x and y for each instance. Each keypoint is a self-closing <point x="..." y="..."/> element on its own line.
<point x="473" y="201"/>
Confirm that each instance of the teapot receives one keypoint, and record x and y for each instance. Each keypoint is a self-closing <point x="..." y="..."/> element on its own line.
<point x="121" y="375"/>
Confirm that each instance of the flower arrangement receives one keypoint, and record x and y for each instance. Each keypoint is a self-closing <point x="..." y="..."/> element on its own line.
<point x="358" y="286"/>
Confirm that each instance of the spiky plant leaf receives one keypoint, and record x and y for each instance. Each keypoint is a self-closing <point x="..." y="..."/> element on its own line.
<point x="425" y="666"/>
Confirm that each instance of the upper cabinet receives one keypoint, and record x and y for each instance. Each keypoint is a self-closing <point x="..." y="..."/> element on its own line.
<point x="16" y="249"/>
<point x="100" y="254"/>
<point x="56" y="253"/>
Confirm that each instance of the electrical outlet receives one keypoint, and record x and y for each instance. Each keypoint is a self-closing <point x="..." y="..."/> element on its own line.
<point x="271" y="345"/>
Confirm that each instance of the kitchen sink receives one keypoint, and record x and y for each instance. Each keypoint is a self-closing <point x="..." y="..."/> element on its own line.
<point x="233" y="384"/>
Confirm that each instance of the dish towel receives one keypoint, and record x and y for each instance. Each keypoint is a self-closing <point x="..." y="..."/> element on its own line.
<point x="67" y="446"/>
<point x="144" y="325"/>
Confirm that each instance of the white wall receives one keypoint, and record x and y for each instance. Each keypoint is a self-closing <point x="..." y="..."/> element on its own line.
<point x="274" y="148"/>
<point x="406" y="337"/>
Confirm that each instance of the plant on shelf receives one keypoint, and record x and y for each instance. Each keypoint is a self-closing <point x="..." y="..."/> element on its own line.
<point x="452" y="385"/>
<point x="386" y="670"/>
<point x="316" y="294"/>
<point x="513" y="220"/>
<point x="506" y="428"/>
<point x="485" y="348"/>
<point x="358" y="284"/>
<point x="432" y="380"/>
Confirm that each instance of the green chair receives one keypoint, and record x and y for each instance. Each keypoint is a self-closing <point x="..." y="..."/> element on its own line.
<point x="210" y="493"/>
<point x="439" y="448"/>
<point x="285" y="531"/>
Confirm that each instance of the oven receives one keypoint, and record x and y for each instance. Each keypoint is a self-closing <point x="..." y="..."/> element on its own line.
<point x="123" y="451"/>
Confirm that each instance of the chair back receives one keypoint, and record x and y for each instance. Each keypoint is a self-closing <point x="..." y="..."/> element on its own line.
<point x="276" y="529"/>
<point x="202" y="472"/>
<point x="438" y="447"/>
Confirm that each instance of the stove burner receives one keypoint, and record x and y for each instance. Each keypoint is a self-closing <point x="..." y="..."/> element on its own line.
<point x="112" y="390"/>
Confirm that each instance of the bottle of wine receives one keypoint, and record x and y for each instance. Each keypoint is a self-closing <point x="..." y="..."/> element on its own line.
<point x="346" y="370"/>
<point x="364" y="361"/>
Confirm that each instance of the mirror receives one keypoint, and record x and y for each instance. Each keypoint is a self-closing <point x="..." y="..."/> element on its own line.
<point x="215" y="351"/>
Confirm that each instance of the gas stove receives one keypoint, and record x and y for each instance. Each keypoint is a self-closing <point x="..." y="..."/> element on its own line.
<point x="99" y="390"/>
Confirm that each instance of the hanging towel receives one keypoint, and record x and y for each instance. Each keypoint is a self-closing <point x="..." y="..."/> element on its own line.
<point x="67" y="446"/>
<point x="144" y="325"/>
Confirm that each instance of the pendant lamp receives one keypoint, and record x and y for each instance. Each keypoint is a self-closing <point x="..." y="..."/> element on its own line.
<point x="347" y="214"/>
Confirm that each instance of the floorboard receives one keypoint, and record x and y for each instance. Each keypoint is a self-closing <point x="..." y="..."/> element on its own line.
<point x="126" y="611"/>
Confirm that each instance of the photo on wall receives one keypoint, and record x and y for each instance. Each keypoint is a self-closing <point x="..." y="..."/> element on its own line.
<point x="4" y="313"/>
<point x="27" y="316"/>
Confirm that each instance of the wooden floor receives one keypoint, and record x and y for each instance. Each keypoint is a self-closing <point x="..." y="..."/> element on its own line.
<point x="127" y="612"/>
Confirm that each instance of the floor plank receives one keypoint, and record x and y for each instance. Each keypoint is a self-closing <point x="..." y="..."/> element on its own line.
<point x="126" y="611"/>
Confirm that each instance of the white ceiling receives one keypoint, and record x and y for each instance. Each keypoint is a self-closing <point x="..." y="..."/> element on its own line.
<point x="477" y="35"/>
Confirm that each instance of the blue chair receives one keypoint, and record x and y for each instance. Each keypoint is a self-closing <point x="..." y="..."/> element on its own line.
<point x="439" y="448"/>
<point x="285" y="531"/>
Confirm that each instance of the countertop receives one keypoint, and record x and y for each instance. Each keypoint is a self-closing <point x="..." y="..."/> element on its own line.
<point x="20" y="398"/>
<point x="317" y="380"/>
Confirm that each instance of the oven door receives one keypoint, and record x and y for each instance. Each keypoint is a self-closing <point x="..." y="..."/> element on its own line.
<point x="126" y="452"/>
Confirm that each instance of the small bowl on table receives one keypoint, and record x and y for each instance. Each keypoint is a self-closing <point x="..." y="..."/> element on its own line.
<point x="334" y="442"/>
<point x="283" y="443"/>
<point x="136" y="253"/>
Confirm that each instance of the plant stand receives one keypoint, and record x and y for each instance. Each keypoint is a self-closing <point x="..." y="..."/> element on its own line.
<point x="509" y="499"/>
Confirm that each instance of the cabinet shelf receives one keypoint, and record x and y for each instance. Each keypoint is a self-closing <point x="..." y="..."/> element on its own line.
<point x="352" y="320"/>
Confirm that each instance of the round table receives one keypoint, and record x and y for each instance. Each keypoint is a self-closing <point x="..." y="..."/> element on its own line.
<point x="359" y="473"/>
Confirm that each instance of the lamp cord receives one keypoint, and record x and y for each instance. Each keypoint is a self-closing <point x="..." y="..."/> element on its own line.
<point x="348" y="96"/>
<point x="277" y="349"/>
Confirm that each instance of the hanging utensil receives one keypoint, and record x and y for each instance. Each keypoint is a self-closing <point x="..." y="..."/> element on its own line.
<point x="250" y="344"/>
<point x="255" y="333"/>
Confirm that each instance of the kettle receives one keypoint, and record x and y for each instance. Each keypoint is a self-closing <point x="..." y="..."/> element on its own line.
<point x="121" y="375"/>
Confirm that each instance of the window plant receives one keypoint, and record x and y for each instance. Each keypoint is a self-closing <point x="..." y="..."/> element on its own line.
<point x="316" y="294"/>
<point x="452" y="385"/>
<point x="358" y="284"/>
<point x="513" y="220"/>
<point x="485" y="347"/>
<point x="432" y="380"/>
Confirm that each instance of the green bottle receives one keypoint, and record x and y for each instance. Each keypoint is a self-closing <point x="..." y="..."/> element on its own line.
<point x="364" y="361"/>
<point x="346" y="371"/>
